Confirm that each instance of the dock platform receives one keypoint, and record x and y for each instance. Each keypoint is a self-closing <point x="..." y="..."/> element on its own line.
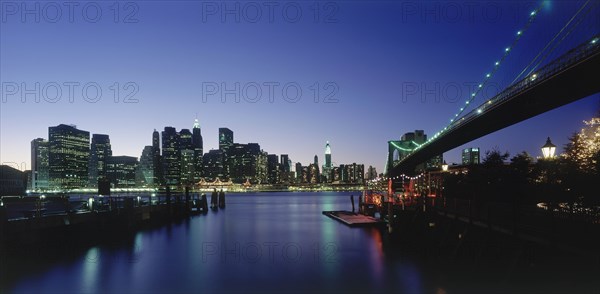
<point x="353" y="219"/>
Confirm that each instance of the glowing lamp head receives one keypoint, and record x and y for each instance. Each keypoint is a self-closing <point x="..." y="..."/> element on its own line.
<point x="548" y="149"/>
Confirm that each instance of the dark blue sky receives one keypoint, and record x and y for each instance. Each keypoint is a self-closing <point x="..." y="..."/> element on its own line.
<point x="389" y="67"/>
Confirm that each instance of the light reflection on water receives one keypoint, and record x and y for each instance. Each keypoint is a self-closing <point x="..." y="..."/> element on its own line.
<point x="264" y="242"/>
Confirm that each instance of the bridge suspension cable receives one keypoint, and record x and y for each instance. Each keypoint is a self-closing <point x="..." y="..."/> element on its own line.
<point x="532" y="16"/>
<point x="529" y="68"/>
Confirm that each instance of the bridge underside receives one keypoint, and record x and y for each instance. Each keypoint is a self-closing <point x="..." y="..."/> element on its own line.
<point x="573" y="83"/>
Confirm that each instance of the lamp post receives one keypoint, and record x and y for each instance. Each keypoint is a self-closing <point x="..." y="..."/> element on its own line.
<point x="548" y="149"/>
<point x="445" y="167"/>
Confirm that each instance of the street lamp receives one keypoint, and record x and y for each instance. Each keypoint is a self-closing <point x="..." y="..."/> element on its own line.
<point x="548" y="149"/>
<point x="445" y="167"/>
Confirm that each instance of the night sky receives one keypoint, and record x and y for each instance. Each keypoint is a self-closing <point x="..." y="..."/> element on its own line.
<point x="382" y="68"/>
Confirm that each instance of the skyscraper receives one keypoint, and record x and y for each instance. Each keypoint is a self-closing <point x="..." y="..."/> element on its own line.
<point x="225" y="138"/>
<point x="156" y="159"/>
<point x="145" y="172"/>
<point x="68" y="157"/>
<point x="212" y="165"/>
<point x="246" y="162"/>
<point x="371" y="173"/>
<point x="225" y="142"/>
<point x="186" y="155"/>
<point x="398" y="150"/>
<point x="121" y="171"/>
<point x="327" y="166"/>
<point x="100" y="152"/>
<point x="171" y="160"/>
<point x="284" y="175"/>
<point x="273" y="168"/>
<point x="198" y="145"/>
<point x="353" y="173"/>
<point x="39" y="164"/>
<point x="470" y="156"/>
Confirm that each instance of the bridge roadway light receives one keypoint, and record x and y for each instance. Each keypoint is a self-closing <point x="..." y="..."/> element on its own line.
<point x="533" y="77"/>
<point x="548" y="149"/>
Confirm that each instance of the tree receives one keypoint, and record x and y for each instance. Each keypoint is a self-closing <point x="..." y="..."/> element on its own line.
<point x="581" y="163"/>
<point x="493" y="158"/>
<point x="583" y="148"/>
<point x="520" y="176"/>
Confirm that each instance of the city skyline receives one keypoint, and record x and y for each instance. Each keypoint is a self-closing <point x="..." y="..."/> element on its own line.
<point x="70" y="160"/>
<point x="380" y="90"/>
<point x="299" y="146"/>
<point x="325" y="148"/>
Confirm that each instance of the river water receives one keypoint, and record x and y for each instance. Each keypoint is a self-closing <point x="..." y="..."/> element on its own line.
<point x="282" y="243"/>
<point x="260" y="243"/>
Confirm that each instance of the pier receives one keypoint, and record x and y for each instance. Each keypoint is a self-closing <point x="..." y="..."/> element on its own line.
<point x="354" y="219"/>
<point x="34" y="219"/>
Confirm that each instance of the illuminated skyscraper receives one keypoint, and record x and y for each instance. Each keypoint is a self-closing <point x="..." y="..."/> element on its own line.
<point x="398" y="150"/>
<point x="171" y="160"/>
<point x="327" y="166"/>
<point x="225" y="138"/>
<point x="100" y="152"/>
<point x="186" y="155"/>
<point x="121" y="171"/>
<point x="273" y="168"/>
<point x="68" y="157"/>
<point x="198" y="145"/>
<point x="284" y="174"/>
<point x="470" y="156"/>
<point x="225" y="142"/>
<point x="145" y="173"/>
<point x="212" y="165"/>
<point x="39" y="164"/>
<point x="156" y="159"/>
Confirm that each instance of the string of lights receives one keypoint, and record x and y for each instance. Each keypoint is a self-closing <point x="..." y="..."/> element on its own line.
<point x="488" y="76"/>
<point x="402" y="176"/>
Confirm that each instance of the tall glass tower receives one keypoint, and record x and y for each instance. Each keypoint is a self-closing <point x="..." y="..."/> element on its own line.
<point x="100" y="152"/>
<point x="327" y="167"/>
<point x="198" y="150"/>
<point x="68" y="157"/>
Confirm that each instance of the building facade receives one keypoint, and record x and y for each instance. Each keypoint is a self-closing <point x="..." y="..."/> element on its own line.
<point x="145" y="172"/>
<point x="198" y="145"/>
<point x="68" y="157"/>
<point x="39" y="165"/>
<point x="171" y="161"/>
<point x="100" y="152"/>
<point x="121" y="171"/>
<point x="470" y="156"/>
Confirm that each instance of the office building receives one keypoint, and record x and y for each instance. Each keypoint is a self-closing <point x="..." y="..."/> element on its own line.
<point x="39" y="164"/>
<point x="145" y="173"/>
<point x="100" y="152"/>
<point x="121" y="171"/>
<point x="470" y="156"/>
<point x="68" y="157"/>
<point x="198" y="145"/>
<point x="171" y="161"/>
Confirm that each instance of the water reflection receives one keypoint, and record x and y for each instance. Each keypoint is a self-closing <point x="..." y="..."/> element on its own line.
<point x="266" y="242"/>
<point x="90" y="276"/>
